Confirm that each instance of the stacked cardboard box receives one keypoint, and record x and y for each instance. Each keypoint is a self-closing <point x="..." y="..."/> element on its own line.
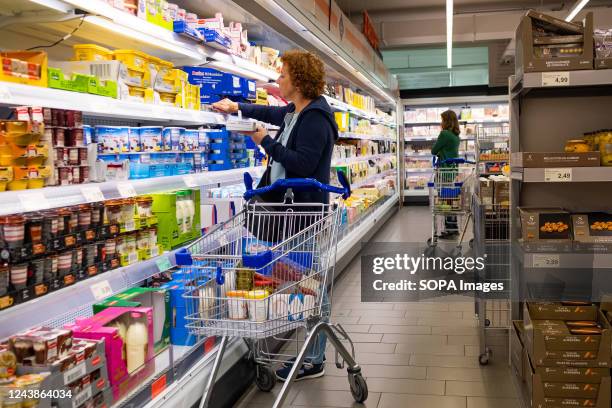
<point x="561" y="355"/>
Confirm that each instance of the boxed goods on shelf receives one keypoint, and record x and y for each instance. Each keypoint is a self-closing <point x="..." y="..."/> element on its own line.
<point x="178" y="216"/>
<point x="545" y="43"/>
<point x="545" y="224"/>
<point x="554" y="159"/>
<point x="517" y="350"/>
<point x="592" y="227"/>
<point x="24" y="67"/>
<point x="157" y="299"/>
<point x="128" y="340"/>
<point x="603" y="48"/>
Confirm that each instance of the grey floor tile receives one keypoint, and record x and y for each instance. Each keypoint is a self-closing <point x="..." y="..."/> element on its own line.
<point x="396" y="321"/>
<point x="380" y="348"/>
<point x="367" y="337"/>
<point x="468" y="374"/>
<point x="328" y="383"/>
<point x="255" y="398"/>
<point x="389" y="400"/>
<point x="357" y="328"/>
<point x="387" y="371"/>
<point x="454" y="330"/>
<point x="428" y="360"/>
<point x="428" y="321"/>
<point x="480" y="402"/>
<point x="396" y="329"/>
<point x="406" y="386"/>
<point x="434" y="314"/>
<point x="333" y="399"/>
<point x="490" y="389"/>
<point x="464" y="340"/>
<point x="344" y="319"/>
<point x="425" y="306"/>
<point x="434" y="349"/>
<point x="383" y="359"/>
<point x="414" y="339"/>
<point x="377" y="313"/>
<point x="364" y="306"/>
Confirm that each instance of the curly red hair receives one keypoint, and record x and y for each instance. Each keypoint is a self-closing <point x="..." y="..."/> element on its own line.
<point x="307" y="72"/>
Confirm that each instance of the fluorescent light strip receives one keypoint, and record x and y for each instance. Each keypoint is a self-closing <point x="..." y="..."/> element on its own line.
<point x="579" y="6"/>
<point x="449" y="33"/>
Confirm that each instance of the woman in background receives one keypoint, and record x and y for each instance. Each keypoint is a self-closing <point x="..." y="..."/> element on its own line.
<point x="447" y="147"/>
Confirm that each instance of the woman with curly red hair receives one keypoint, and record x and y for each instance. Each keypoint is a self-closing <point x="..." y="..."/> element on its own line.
<point x="304" y="144"/>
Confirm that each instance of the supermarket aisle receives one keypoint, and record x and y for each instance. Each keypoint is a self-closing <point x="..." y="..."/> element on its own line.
<point x="412" y="354"/>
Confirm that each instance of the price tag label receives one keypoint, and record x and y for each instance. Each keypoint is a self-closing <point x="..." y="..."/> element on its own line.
<point x="126" y="190"/>
<point x="190" y="181"/>
<point x="92" y="194"/>
<point x="101" y="290"/>
<point x="545" y="261"/>
<point x="130" y="225"/>
<point x="82" y="397"/>
<point x="163" y="264"/>
<point x="5" y="94"/>
<point x="558" y="175"/>
<point x="154" y="251"/>
<point x="158" y="386"/>
<point x="34" y="201"/>
<point x="555" y="78"/>
<point x="75" y="373"/>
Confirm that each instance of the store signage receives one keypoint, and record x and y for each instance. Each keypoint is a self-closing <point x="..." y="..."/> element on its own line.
<point x="545" y="261"/>
<point x="101" y="290"/>
<point x="554" y="175"/>
<point x="33" y="201"/>
<point x="92" y="194"/>
<point x="126" y="190"/>
<point x="555" y="78"/>
<point x="368" y="30"/>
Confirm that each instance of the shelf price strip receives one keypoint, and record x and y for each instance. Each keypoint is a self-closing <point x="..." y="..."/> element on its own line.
<point x="555" y="78"/>
<point x="561" y="175"/>
<point x="545" y="261"/>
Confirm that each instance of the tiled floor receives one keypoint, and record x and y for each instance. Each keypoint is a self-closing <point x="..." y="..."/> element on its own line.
<point x="412" y="354"/>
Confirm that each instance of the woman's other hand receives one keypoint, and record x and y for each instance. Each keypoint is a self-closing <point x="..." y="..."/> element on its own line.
<point x="257" y="135"/>
<point x="225" y="106"/>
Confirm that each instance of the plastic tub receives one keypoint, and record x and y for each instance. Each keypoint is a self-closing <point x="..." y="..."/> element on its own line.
<point x="132" y="58"/>
<point x="91" y="52"/>
<point x="36" y="183"/>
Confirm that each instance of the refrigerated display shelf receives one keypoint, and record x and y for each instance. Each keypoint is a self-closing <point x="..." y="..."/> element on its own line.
<point x="372" y="179"/>
<point x="61" y="196"/>
<point x="419" y="170"/>
<point x="521" y="84"/>
<point x="350" y="160"/>
<point x="343" y="106"/>
<point x="469" y="122"/>
<point x="565" y="174"/>
<point x="352" y="135"/>
<point x="433" y="137"/>
<point x="93" y="105"/>
<point x="416" y="193"/>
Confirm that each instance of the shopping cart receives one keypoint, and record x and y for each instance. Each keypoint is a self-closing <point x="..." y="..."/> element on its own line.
<point x="492" y="240"/>
<point x="450" y="190"/>
<point x="263" y="276"/>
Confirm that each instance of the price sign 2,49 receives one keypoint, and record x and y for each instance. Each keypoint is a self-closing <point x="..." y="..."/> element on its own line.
<point x="558" y="175"/>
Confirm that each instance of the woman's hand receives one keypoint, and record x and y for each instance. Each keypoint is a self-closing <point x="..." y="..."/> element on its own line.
<point x="257" y="135"/>
<point x="225" y="106"/>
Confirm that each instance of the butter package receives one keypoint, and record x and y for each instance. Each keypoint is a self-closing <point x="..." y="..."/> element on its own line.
<point x="592" y="227"/>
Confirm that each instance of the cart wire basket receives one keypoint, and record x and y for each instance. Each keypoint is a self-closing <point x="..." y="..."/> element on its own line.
<point x="492" y="240"/>
<point x="450" y="191"/>
<point x="263" y="276"/>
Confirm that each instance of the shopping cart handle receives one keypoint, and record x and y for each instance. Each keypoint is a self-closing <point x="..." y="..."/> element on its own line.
<point x="297" y="184"/>
<point x="437" y="163"/>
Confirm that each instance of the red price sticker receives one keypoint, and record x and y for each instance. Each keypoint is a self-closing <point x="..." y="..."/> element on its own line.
<point x="158" y="386"/>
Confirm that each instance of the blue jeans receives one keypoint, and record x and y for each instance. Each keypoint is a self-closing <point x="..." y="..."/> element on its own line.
<point x="316" y="351"/>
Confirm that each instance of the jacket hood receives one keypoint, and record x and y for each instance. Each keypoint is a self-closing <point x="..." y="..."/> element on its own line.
<point x="322" y="106"/>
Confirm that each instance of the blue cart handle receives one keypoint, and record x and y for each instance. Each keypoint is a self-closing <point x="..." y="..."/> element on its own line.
<point x="437" y="163"/>
<point x="297" y="184"/>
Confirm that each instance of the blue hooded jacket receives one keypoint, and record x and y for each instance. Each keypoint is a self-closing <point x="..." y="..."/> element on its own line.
<point x="309" y="148"/>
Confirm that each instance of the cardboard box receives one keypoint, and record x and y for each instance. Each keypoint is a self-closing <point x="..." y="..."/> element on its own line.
<point x="486" y="191"/>
<point x="168" y="234"/>
<point x="549" y="346"/>
<point x="502" y="192"/>
<point x="561" y="311"/>
<point x="603" y="63"/>
<point x="555" y="159"/>
<point x="545" y="224"/>
<point x="548" y="394"/>
<point x="157" y="299"/>
<point x="592" y="227"/>
<point x="526" y="56"/>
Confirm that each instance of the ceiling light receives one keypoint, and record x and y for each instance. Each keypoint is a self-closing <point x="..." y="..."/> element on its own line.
<point x="449" y="33"/>
<point x="579" y="6"/>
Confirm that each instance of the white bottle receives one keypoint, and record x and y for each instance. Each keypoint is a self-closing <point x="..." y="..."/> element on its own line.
<point x="190" y="209"/>
<point x="180" y="213"/>
<point x="136" y="341"/>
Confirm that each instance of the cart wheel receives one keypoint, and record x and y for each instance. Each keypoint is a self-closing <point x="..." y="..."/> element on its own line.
<point x="359" y="388"/>
<point x="483" y="359"/>
<point x="471" y="243"/>
<point x="266" y="378"/>
<point x="429" y="242"/>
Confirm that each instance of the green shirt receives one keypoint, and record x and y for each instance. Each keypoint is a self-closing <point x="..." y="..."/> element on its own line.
<point x="447" y="145"/>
